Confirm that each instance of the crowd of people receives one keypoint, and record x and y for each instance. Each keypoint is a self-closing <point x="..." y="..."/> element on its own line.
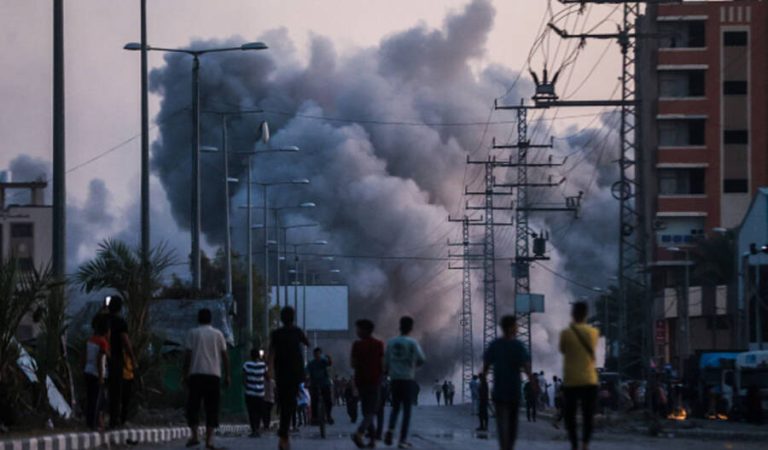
<point x="277" y="381"/>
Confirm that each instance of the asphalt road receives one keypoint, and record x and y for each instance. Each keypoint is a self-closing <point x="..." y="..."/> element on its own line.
<point x="452" y="428"/>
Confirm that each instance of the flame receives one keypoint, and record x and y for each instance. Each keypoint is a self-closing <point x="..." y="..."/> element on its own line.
<point x="678" y="414"/>
<point x="718" y="416"/>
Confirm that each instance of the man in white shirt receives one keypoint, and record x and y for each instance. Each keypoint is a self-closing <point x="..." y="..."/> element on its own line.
<point x="205" y="357"/>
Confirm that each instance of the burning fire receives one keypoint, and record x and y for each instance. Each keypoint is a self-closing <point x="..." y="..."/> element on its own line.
<point x="718" y="416"/>
<point x="678" y="414"/>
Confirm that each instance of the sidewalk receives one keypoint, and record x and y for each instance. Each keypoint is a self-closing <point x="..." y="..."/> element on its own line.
<point x="129" y="436"/>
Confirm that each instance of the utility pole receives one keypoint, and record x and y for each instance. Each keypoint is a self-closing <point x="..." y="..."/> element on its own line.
<point x="59" y="150"/>
<point x="489" y="247"/>
<point x="523" y="208"/>
<point x="145" y="230"/>
<point x="466" y="267"/>
<point x="634" y="313"/>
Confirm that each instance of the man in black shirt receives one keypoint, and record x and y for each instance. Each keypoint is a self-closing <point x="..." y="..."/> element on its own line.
<point x="286" y="361"/>
<point x="120" y="349"/>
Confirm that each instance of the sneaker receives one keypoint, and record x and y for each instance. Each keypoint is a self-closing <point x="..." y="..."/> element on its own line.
<point x="404" y="444"/>
<point x="388" y="437"/>
<point x="357" y="438"/>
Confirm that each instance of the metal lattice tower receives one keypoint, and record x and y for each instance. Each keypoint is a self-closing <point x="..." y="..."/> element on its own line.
<point x="633" y="327"/>
<point x="465" y="320"/>
<point x="489" y="262"/>
<point x="633" y="354"/>
<point x="522" y="257"/>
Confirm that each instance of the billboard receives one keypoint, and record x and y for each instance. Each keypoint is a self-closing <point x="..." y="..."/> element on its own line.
<point x="326" y="308"/>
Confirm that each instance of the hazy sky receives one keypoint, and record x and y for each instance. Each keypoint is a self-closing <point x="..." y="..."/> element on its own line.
<point x="102" y="80"/>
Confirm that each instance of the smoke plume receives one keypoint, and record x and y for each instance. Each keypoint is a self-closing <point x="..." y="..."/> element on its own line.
<point x="382" y="142"/>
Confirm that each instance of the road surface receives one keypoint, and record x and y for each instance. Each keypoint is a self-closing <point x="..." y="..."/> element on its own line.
<point x="451" y="428"/>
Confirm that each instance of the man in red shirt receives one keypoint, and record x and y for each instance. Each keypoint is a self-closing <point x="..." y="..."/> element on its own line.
<point x="368" y="363"/>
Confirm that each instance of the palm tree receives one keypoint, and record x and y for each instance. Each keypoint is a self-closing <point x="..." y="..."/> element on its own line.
<point x="20" y="291"/>
<point x="119" y="267"/>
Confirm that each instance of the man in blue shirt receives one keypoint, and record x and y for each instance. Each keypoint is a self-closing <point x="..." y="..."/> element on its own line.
<point x="402" y="357"/>
<point x="508" y="357"/>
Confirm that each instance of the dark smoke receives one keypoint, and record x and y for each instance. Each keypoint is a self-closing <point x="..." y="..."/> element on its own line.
<point x="380" y="189"/>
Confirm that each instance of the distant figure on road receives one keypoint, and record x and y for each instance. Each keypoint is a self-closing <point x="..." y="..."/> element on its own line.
<point x="402" y="357"/>
<point x="320" y="384"/>
<point x="367" y="359"/>
<point x="483" y="399"/>
<point x="121" y="352"/>
<point x="446" y="393"/>
<point x="203" y="362"/>
<point x="530" y="392"/>
<point x="254" y="376"/>
<point x="577" y="344"/>
<point x="437" y="389"/>
<point x="474" y="391"/>
<point x="451" y="392"/>
<point x="287" y="364"/>
<point x="508" y="357"/>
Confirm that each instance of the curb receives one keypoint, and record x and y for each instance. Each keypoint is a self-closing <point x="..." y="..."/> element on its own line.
<point x="93" y="440"/>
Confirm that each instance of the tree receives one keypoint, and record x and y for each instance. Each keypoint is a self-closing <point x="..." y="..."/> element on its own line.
<point x="20" y="291"/>
<point x="119" y="267"/>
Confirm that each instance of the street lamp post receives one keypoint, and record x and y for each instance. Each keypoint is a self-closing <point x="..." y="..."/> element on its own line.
<point x="683" y="309"/>
<point x="195" y="207"/>
<point x="225" y="116"/>
<point x="265" y="224"/>
<point x="296" y="268"/>
<point x="284" y="230"/>
<point x="249" y="238"/>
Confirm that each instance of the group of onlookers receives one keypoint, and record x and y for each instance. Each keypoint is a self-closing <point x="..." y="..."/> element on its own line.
<point x="280" y="378"/>
<point x="446" y="391"/>
<point x="109" y="368"/>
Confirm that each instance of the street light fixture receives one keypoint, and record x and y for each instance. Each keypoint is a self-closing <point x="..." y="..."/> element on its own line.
<point x="195" y="210"/>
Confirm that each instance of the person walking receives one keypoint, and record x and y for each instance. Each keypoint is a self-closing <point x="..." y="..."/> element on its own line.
<point x="121" y="350"/>
<point x="320" y="384"/>
<point x="437" y="389"/>
<point x="445" y="388"/>
<point x="577" y="344"/>
<point x="508" y="357"/>
<point x="401" y="358"/>
<point x="206" y="355"/>
<point x="474" y="391"/>
<point x="529" y="391"/>
<point x="254" y="375"/>
<point x="367" y="359"/>
<point x="95" y="372"/>
<point x="451" y="392"/>
<point x="483" y="399"/>
<point x="287" y="364"/>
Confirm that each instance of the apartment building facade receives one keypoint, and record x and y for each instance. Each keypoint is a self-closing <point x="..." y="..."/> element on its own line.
<point x="703" y="88"/>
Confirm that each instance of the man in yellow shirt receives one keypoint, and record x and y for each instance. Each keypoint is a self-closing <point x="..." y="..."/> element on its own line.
<point x="577" y="344"/>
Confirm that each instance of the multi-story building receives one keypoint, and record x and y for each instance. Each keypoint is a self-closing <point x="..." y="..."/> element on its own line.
<point x="703" y="91"/>
<point x="25" y="231"/>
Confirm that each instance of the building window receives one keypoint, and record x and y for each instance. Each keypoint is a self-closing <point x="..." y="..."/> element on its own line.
<point x="681" y="132"/>
<point x="735" y="186"/>
<point x="734" y="88"/>
<point x="681" y="83"/>
<point x="21" y="230"/>
<point x="735" y="136"/>
<point x="682" y="34"/>
<point x="735" y="39"/>
<point x="681" y="181"/>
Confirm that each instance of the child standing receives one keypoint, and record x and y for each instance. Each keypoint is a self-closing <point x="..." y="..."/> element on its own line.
<point x="254" y="373"/>
<point x="96" y="353"/>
